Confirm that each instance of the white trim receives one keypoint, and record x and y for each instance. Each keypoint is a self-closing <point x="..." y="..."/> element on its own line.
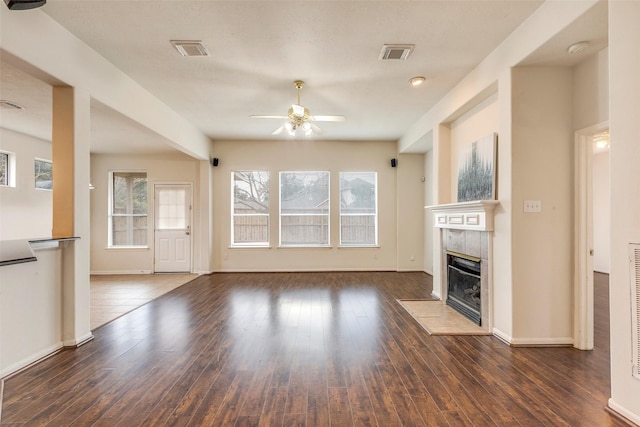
<point x="583" y="238"/>
<point x="78" y="342"/>
<point x="306" y="270"/>
<point x="506" y="338"/>
<point x="621" y="410"/>
<point x="35" y="357"/>
<point x="110" y="272"/>
<point x="533" y="342"/>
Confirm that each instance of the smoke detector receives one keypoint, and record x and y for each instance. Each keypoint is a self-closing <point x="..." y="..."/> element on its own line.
<point x="190" y="47"/>
<point x="395" y="51"/>
<point x="577" y="47"/>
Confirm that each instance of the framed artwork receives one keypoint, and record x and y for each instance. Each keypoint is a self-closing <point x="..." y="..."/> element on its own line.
<point x="477" y="170"/>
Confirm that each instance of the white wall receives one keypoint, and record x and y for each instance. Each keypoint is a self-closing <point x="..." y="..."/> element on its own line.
<point x="601" y="212"/>
<point x="177" y="168"/>
<point x="30" y="310"/>
<point x="332" y="156"/>
<point x="624" y="90"/>
<point x="591" y="90"/>
<point x="25" y="212"/>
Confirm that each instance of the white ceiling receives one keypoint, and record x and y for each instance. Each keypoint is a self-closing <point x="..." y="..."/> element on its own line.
<point x="258" y="48"/>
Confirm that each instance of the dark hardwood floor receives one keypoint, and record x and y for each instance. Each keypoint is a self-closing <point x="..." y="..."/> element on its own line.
<point x="282" y="349"/>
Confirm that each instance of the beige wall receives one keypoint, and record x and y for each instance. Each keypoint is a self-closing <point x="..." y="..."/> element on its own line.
<point x="177" y="168"/>
<point x="410" y="190"/>
<point x="478" y="123"/>
<point x="542" y="169"/>
<point x="333" y="156"/>
<point x="25" y="212"/>
<point x="624" y="89"/>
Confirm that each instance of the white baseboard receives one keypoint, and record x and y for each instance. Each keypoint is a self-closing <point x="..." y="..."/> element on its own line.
<point x="300" y="270"/>
<point x="113" y="272"/>
<point x="532" y="342"/>
<point x="506" y="338"/>
<point x="621" y="410"/>
<point x="28" y="361"/>
<point x="77" y="342"/>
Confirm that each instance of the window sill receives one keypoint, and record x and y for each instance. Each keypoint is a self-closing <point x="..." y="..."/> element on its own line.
<point x="248" y="247"/>
<point x="306" y="247"/>
<point x="126" y="248"/>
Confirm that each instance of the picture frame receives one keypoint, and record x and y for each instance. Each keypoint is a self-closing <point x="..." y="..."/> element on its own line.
<point x="477" y="170"/>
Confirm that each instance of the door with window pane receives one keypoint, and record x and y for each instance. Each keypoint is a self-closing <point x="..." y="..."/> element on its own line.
<point x="172" y="228"/>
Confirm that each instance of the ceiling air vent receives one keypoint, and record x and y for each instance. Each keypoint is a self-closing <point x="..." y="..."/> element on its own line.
<point x="190" y="47"/>
<point x="9" y="105"/>
<point x="395" y="51"/>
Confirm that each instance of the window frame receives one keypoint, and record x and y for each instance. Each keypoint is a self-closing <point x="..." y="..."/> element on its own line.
<point x="374" y="214"/>
<point x="327" y="214"/>
<point x="111" y="215"/>
<point x="35" y="178"/>
<point x="7" y="169"/>
<point x="234" y="215"/>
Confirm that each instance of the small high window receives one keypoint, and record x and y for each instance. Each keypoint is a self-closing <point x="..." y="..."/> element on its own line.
<point x="43" y="174"/>
<point x="4" y="168"/>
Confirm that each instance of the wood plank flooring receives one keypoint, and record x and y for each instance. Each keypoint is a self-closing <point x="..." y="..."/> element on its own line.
<point x="307" y="349"/>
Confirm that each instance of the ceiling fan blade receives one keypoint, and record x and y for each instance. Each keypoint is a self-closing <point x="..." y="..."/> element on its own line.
<point x="328" y="118"/>
<point x="278" y="131"/>
<point x="268" y="117"/>
<point x="317" y="129"/>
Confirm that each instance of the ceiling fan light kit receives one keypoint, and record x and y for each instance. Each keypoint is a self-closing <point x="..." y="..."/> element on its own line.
<point x="299" y="118"/>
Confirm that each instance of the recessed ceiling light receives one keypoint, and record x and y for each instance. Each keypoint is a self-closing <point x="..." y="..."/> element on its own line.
<point x="190" y="47"/>
<point x="416" y="81"/>
<point x="577" y="47"/>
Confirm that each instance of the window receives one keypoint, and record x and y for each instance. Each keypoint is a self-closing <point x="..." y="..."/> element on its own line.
<point x="43" y="173"/>
<point x="250" y="204"/>
<point x="128" y="209"/>
<point x="358" y="209"/>
<point x="304" y="208"/>
<point x="4" y="169"/>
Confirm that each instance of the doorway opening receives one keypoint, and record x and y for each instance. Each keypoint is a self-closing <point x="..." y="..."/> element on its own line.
<point x="591" y="186"/>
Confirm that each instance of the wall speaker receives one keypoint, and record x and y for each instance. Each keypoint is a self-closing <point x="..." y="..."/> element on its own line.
<point x="24" y="4"/>
<point x="394" y="163"/>
<point x="215" y="161"/>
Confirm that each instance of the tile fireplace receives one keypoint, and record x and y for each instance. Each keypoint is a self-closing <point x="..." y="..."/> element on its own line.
<point x="463" y="243"/>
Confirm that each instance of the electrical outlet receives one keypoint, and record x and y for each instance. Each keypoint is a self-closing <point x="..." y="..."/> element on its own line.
<point x="532" y="206"/>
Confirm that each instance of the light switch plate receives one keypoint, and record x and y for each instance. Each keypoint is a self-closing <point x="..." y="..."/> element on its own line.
<point x="532" y="206"/>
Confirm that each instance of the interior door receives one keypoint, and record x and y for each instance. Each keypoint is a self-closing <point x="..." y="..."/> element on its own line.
<point x="172" y="228"/>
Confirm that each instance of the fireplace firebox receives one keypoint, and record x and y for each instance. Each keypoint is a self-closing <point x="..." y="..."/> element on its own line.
<point x="463" y="285"/>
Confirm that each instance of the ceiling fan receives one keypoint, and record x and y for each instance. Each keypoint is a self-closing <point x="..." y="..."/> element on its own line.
<point x="299" y="117"/>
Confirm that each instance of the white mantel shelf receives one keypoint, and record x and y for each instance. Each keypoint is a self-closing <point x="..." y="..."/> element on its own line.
<point x="476" y="215"/>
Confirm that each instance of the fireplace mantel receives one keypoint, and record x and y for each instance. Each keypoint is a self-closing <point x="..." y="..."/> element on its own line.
<point x="476" y="215"/>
